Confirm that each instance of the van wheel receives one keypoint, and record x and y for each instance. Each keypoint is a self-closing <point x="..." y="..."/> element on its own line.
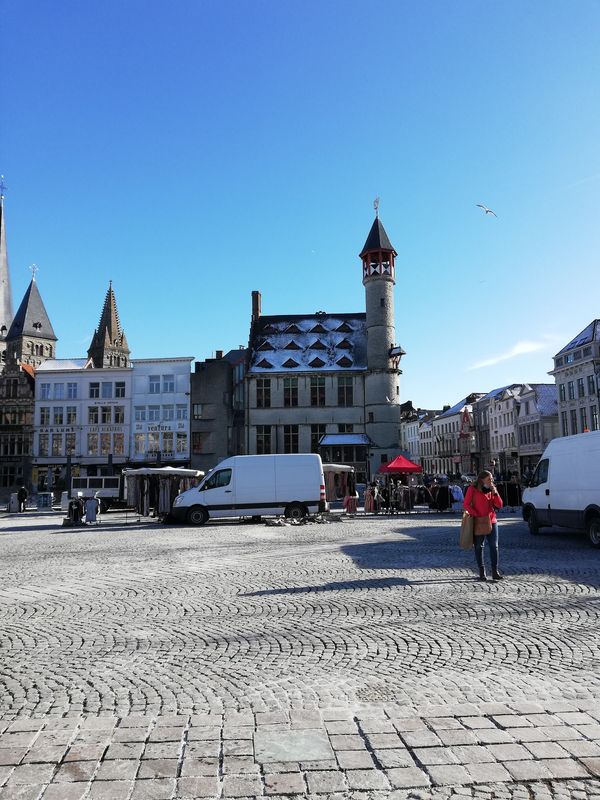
<point x="594" y="531"/>
<point x="197" y="516"/>
<point x="534" y="527"/>
<point x="295" y="511"/>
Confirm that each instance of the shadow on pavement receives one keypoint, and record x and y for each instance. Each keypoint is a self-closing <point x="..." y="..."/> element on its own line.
<point x="367" y="583"/>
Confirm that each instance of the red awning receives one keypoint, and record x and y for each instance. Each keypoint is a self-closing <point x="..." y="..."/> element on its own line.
<point x="400" y="464"/>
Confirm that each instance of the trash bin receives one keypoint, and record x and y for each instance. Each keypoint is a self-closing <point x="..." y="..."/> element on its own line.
<point x="44" y="500"/>
<point x="13" y="503"/>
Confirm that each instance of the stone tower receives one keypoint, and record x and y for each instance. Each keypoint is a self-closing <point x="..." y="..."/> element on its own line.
<point x="109" y="346"/>
<point x="6" y="308"/>
<point x="30" y="338"/>
<point x="382" y="381"/>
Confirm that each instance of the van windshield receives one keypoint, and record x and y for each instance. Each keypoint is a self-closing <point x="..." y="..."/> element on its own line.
<point x="217" y="479"/>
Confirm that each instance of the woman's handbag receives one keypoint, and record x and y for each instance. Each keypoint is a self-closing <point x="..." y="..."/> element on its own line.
<point x="466" y="532"/>
<point x="482" y="526"/>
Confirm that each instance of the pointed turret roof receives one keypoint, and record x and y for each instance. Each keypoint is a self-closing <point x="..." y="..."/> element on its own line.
<point x="377" y="239"/>
<point x="109" y="327"/>
<point x="108" y="336"/>
<point x="6" y="307"/>
<point x="32" y="318"/>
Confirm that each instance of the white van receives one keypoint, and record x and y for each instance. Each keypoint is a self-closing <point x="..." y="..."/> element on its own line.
<point x="250" y="486"/>
<point x="565" y="489"/>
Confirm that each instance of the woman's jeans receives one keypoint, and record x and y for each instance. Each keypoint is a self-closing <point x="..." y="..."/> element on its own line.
<point x="492" y="540"/>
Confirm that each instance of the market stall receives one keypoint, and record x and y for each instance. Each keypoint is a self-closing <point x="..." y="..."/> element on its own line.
<point x="400" y="496"/>
<point x="151" y="490"/>
<point x="340" y="484"/>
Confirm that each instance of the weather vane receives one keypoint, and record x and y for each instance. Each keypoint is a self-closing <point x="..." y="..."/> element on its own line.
<point x="34" y="268"/>
<point x="3" y="187"/>
<point x="376" y="206"/>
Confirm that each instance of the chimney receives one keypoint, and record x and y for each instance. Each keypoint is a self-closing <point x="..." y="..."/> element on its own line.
<point x="219" y="354"/>
<point x="256" y="305"/>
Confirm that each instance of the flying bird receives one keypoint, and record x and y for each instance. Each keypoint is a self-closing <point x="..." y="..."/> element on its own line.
<point x="486" y="209"/>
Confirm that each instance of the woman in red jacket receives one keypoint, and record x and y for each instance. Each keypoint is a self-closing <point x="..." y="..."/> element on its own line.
<point x="482" y="500"/>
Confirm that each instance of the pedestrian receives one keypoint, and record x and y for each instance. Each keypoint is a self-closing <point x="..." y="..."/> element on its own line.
<point x="481" y="502"/>
<point x="369" y="499"/>
<point x="22" y="496"/>
<point x="91" y="510"/>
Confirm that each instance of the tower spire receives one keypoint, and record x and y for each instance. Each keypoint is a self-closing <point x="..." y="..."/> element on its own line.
<point x="109" y="347"/>
<point x="6" y="306"/>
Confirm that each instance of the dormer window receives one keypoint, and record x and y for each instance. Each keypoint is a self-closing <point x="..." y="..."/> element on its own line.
<point x="318" y="328"/>
<point x="344" y="361"/>
<point x="293" y="329"/>
<point x="268" y="329"/>
<point x="344" y="328"/>
<point x="290" y="364"/>
<point x="266" y="345"/>
<point x="292" y="346"/>
<point x="318" y="345"/>
<point x="345" y="345"/>
<point x="316" y="363"/>
<point x="264" y="364"/>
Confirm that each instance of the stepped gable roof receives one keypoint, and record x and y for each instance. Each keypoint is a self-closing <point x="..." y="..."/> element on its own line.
<point x="339" y="350"/>
<point x="6" y="307"/>
<point x="589" y="334"/>
<point x="31" y="318"/>
<point x="377" y="239"/>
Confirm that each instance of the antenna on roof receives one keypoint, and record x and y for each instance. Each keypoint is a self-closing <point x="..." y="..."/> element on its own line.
<point x="376" y="206"/>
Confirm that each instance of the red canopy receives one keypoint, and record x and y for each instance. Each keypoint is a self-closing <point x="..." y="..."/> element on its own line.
<point x="400" y="464"/>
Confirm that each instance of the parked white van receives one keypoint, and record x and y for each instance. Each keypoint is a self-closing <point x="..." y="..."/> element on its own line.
<point x="249" y="486"/>
<point x="565" y="489"/>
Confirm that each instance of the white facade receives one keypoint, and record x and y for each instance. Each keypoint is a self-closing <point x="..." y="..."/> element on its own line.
<point x="160" y="409"/>
<point x="82" y="413"/>
<point x="504" y="437"/>
<point x="426" y="448"/>
<point x="577" y="375"/>
<point x="537" y="421"/>
<point x="412" y="440"/>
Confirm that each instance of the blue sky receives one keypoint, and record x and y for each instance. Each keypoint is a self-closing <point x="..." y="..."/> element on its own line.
<point x="195" y="151"/>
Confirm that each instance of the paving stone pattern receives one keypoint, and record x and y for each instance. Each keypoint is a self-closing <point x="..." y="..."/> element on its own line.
<point x="352" y="660"/>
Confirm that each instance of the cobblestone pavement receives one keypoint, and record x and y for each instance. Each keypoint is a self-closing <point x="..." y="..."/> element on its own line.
<point x="352" y="660"/>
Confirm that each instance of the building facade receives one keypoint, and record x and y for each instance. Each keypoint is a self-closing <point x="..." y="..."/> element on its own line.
<point x="320" y="375"/>
<point x="537" y="423"/>
<point x="454" y="440"/>
<point x="426" y="447"/>
<point x="82" y="420"/>
<point x="577" y="376"/>
<point x="17" y="388"/>
<point x="217" y="409"/>
<point x="161" y="411"/>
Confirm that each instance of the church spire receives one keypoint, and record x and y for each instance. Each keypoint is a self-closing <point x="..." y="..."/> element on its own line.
<point x="31" y="338"/>
<point x="6" y="307"/>
<point x="109" y="346"/>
